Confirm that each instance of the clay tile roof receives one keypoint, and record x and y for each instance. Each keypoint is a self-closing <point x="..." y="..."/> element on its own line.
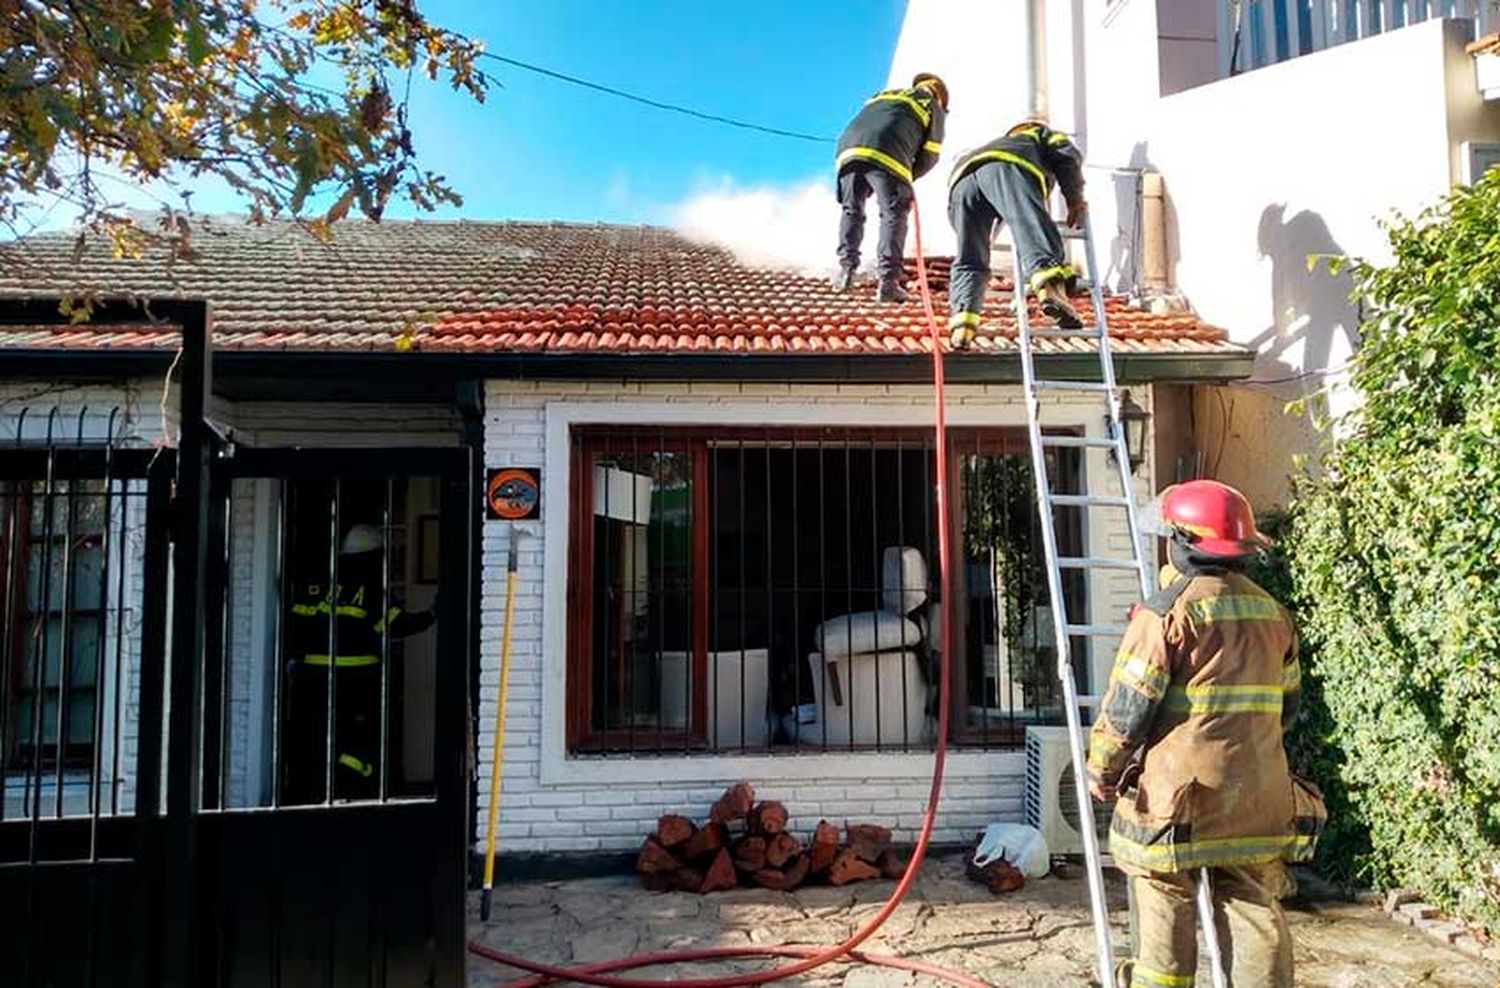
<point x="1487" y="45"/>
<point x="518" y="287"/>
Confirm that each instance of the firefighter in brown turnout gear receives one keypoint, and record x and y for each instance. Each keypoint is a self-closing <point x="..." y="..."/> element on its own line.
<point x="893" y="140"/>
<point x="1008" y="180"/>
<point x="1190" y="738"/>
<point x="363" y="619"/>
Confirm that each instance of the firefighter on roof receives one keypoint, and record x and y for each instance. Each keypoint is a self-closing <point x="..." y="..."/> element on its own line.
<point x="893" y="140"/>
<point x="1190" y="738"/>
<point x="1008" y="180"/>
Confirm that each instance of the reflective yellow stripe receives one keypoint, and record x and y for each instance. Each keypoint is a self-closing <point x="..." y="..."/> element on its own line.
<point x="1102" y="748"/>
<point x="967" y="166"/>
<point x="1291" y="676"/>
<point x="1234" y="607"/>
<point x="958" y="319"/>
<point x="322" y="607"/>
<point x="879" y="157"/>
<point x="1030" y="132"/>
<point x="364" y="768"/>
<point x="1057" y="139"/>
<point x="932" y="146"/>
<point x="343" y="661"/>
<point x="1209" y="853"/>
<point x="898" y="97"/>
<point x="1137" y="670"/>
<point x="1045" y="275"/>
<point x="1151" y="978"/>
<point x="1225" y="699"/>
<point x="390" y="616"/>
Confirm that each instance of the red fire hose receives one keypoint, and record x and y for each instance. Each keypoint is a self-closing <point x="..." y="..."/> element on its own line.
<point x="811" y="957"/>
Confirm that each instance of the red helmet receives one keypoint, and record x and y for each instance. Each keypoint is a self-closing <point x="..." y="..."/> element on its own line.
<point x="1215" y="516"/>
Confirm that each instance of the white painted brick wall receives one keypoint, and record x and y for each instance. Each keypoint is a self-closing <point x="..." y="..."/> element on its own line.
<point x="541" y="812"/>
<point x="138" y="422"/>
<point x="551" y="803"/>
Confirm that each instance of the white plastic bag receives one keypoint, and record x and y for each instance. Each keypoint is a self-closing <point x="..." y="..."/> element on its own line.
<point x="1020" y="845"/>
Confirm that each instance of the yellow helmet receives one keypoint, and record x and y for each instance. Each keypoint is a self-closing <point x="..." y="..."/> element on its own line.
<point x="938" y="85"/>
<point x="1028" y="122"/>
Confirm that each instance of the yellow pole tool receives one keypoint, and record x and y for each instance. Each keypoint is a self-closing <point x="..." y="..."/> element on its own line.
<point x="497" y="756"/>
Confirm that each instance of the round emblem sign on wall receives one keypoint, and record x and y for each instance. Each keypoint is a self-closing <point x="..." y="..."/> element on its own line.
<point x="513" y="493"/>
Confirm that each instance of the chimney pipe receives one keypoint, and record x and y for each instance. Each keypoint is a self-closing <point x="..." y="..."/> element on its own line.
<point x="1036" y="58"/>
<point x="1156" y="269"/>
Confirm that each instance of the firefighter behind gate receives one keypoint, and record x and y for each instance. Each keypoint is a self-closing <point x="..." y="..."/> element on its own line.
<point x="1008" y="180"/>
<point x="364" y="619"/>
<point x="1189" y="736"/>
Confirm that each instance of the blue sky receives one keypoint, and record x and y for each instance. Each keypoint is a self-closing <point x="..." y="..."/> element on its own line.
<point x="542" y="149"/>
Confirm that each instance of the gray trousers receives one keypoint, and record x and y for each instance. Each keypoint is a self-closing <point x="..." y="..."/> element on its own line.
<point x="994" y="192"/>
<point x="856" y="183"/>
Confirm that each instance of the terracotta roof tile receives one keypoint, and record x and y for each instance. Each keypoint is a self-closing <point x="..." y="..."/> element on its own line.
<point x="521" y="287"/>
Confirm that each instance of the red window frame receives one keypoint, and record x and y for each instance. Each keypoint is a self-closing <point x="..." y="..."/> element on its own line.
<point x="587" y="445"/>
<point x="588" y="442"/>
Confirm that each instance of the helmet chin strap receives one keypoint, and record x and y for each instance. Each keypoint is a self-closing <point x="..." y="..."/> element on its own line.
<point x="1190" y="562"/>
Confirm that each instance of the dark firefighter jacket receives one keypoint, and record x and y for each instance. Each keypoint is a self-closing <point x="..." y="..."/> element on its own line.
<point x="1205" y="682"/>
<point x="901" y="130"/>
<point x="355" y="605"/>
<point x="1048" y="155"/>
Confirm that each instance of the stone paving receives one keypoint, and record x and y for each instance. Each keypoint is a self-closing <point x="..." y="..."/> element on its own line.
<point x="1039" y="937"/>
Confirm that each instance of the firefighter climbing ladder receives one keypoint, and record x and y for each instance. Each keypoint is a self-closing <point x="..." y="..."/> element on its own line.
<point x="1066" y="630"/>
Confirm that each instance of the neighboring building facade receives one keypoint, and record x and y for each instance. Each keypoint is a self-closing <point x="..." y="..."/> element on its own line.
<point x="1337" y="114"/>
<point x="726" y="455"/>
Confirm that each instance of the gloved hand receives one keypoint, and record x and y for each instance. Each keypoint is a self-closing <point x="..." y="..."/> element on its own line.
<point x="1076" y="212"/>
<point x="1101" y="792"/>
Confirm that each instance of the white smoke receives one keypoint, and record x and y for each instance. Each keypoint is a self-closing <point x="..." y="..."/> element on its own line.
<point x="793" y="227"/>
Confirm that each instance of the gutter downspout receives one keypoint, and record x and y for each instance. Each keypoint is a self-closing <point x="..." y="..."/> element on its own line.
<point x="1036" y="59"/>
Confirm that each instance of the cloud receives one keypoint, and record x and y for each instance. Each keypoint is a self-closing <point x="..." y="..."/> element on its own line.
<point x="791" y="226"/>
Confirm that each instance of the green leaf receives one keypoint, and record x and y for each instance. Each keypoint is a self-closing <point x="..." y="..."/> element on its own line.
<point x="156" y="42"/>
<point x="197" y="40"/>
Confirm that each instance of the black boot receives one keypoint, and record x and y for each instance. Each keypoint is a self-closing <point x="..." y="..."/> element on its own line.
<point x="843" y="280"/>
<point x="890" y="290"/>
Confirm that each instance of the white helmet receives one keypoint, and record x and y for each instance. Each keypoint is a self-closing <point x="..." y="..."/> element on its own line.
<point x="361" y="538"/>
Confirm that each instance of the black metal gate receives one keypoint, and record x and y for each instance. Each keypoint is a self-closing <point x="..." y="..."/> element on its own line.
<point x="288" y="883"/>
<point x="231" y="753"/>
<point x="345" y="863"/>
<point x="83" y="630"/>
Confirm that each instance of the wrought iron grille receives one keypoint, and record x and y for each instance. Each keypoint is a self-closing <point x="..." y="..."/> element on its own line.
<point x="81" y="537"/>
<point x="776" y="590"/>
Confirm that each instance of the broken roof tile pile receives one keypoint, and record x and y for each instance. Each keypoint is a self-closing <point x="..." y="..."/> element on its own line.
<point x="515" y="287"/>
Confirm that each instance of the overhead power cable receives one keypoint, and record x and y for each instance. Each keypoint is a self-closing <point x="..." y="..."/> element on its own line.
<point x="657" y="104"/>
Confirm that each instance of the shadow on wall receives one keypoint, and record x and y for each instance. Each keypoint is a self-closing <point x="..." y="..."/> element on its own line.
<point x="1307" y="307"/>
<point x="1127" y="248"/>
<point x="1245" y="438"/>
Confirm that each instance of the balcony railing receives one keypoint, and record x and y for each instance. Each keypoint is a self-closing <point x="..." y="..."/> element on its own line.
<point x="1256" y="33"/>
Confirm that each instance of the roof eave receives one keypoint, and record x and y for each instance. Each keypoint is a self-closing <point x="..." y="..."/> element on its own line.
<point x="377" y="367"/>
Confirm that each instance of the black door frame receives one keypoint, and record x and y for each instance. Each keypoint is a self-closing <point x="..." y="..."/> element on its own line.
<point x="158" y="933"/>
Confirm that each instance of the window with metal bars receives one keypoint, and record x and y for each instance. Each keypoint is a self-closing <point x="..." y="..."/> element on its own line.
<point x="55" y="591"/>
<point x="776" y="590"/>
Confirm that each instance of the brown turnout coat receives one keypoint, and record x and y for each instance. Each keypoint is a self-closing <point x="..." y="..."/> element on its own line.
<point x="1190" y="731"/>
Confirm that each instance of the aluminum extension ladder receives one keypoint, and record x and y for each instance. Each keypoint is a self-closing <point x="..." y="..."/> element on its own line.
<point x="1066" y="629"/>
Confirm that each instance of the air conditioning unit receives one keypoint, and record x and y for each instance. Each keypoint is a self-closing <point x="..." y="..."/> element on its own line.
<point x="1051" y="803"/>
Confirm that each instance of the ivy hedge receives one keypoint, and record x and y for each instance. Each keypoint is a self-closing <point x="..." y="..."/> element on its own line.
<point x="1392" y="559"/>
